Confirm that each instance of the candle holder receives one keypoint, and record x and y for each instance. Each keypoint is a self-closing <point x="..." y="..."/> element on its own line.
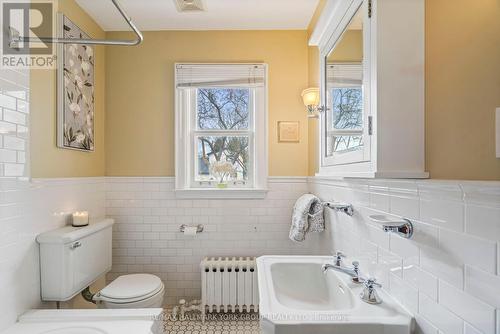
<point x="80" y="218"/>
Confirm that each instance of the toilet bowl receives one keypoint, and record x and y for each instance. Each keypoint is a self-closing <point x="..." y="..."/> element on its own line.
<point x="132" y="291"/>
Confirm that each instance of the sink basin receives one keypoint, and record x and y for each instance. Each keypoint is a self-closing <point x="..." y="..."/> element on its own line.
<point x="296" y="297"/>
<point x="319" y="294"/>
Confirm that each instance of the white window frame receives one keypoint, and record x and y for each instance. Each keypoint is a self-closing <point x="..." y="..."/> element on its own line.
<point x="186" y="134"/>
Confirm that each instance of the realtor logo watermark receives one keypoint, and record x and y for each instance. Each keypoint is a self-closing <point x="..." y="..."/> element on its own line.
<point x="27" y="19"/>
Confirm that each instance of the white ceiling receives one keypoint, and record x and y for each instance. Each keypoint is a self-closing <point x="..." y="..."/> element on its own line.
<point x="218" y="14"/>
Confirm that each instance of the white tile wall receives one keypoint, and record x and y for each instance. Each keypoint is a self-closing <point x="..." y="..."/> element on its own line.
<point x="449" y="273"/>
<point x="147" y="238"/>
<point x="27" y="209"/>
<point x="446" y="275"/>
<point x="14" y="117"/>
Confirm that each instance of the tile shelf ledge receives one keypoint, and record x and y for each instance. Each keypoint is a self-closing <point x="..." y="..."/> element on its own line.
<point x="211" y="193"/>
<point x="396" y="175"/>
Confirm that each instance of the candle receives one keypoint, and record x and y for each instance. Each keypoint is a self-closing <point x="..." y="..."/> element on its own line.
<point x="81" y="218"/>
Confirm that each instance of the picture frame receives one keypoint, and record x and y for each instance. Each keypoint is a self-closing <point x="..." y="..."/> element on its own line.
<point x="75" y="89"/>
<point x="288" y="132"/>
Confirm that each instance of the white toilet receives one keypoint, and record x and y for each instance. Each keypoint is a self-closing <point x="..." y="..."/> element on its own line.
<point x="72" y="258"/>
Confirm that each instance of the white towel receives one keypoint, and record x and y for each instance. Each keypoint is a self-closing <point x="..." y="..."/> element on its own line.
<point x="307" y="216"/>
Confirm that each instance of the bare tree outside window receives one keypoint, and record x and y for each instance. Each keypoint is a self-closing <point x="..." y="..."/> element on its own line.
<point x="347" y="105"/>
<point x="223" y="109"/>
<point x="347" y="108"/>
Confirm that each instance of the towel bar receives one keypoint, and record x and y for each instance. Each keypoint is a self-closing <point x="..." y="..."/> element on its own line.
<point x="342" y="207"/>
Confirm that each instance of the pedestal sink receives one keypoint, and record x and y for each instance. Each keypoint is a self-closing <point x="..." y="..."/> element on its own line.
<point x="296" y="297"/>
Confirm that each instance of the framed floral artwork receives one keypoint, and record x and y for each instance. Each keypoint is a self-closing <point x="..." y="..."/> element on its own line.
<point x="75" y="90"/>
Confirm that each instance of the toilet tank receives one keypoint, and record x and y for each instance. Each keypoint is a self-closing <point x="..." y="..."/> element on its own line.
<point x="72" y="258"/>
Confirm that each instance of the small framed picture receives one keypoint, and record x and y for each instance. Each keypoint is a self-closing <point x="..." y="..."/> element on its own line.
<point x="288" y="132"/>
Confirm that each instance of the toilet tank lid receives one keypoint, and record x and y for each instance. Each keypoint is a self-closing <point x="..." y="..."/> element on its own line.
<point x="69" y="234"/>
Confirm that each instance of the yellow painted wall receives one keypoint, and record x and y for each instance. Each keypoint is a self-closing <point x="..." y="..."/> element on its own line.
<point x="140" y="94"/>
<point x="46" y="159"/>
<point x="349" y="49"/>
<point x="462" y="91"/>
<point x="462" y="88"/>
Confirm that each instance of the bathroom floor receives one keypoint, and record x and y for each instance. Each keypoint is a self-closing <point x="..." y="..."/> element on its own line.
<point x="219" y="324"/>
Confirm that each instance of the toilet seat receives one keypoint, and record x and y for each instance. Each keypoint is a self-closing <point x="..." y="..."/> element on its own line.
<point x="130" y="289"/>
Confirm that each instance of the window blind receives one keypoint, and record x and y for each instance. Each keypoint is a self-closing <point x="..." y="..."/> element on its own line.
<point x="220" y="75"/>
<point x="345" y="74"/>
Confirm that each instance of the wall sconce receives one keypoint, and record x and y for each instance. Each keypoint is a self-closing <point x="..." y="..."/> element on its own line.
<point x="310" y="96"/>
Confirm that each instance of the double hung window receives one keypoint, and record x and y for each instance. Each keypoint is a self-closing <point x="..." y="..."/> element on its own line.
<point x="221" y="127"/>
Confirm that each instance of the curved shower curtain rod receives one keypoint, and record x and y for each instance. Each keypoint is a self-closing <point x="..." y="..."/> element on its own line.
<point x="15" y="38"/>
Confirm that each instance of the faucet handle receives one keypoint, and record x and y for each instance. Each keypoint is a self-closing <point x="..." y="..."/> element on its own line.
<point x="355" y="267"/>
<point x="372" y="283"/>
<point x="369" y="294"/>
<point x="338" y="258"/>
<point x="339" y="255"/>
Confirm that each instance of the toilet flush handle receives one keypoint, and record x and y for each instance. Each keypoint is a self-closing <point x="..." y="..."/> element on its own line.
<point x="76" y="245"/>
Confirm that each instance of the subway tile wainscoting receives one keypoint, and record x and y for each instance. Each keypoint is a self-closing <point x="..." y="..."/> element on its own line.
<point x="26" y="210"/>
<point x="148" y="216"/>
<point x="448" y="274"/>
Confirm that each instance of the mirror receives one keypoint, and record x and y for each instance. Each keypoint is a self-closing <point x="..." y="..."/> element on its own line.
<point x="344" y="92"/>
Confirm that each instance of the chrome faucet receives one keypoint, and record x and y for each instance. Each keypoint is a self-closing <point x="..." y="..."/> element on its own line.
<point x="353" y="272"/>
<point x="369" y="294"/>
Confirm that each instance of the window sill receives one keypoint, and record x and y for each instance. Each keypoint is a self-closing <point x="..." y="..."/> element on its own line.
<point x="220" y="193"/>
